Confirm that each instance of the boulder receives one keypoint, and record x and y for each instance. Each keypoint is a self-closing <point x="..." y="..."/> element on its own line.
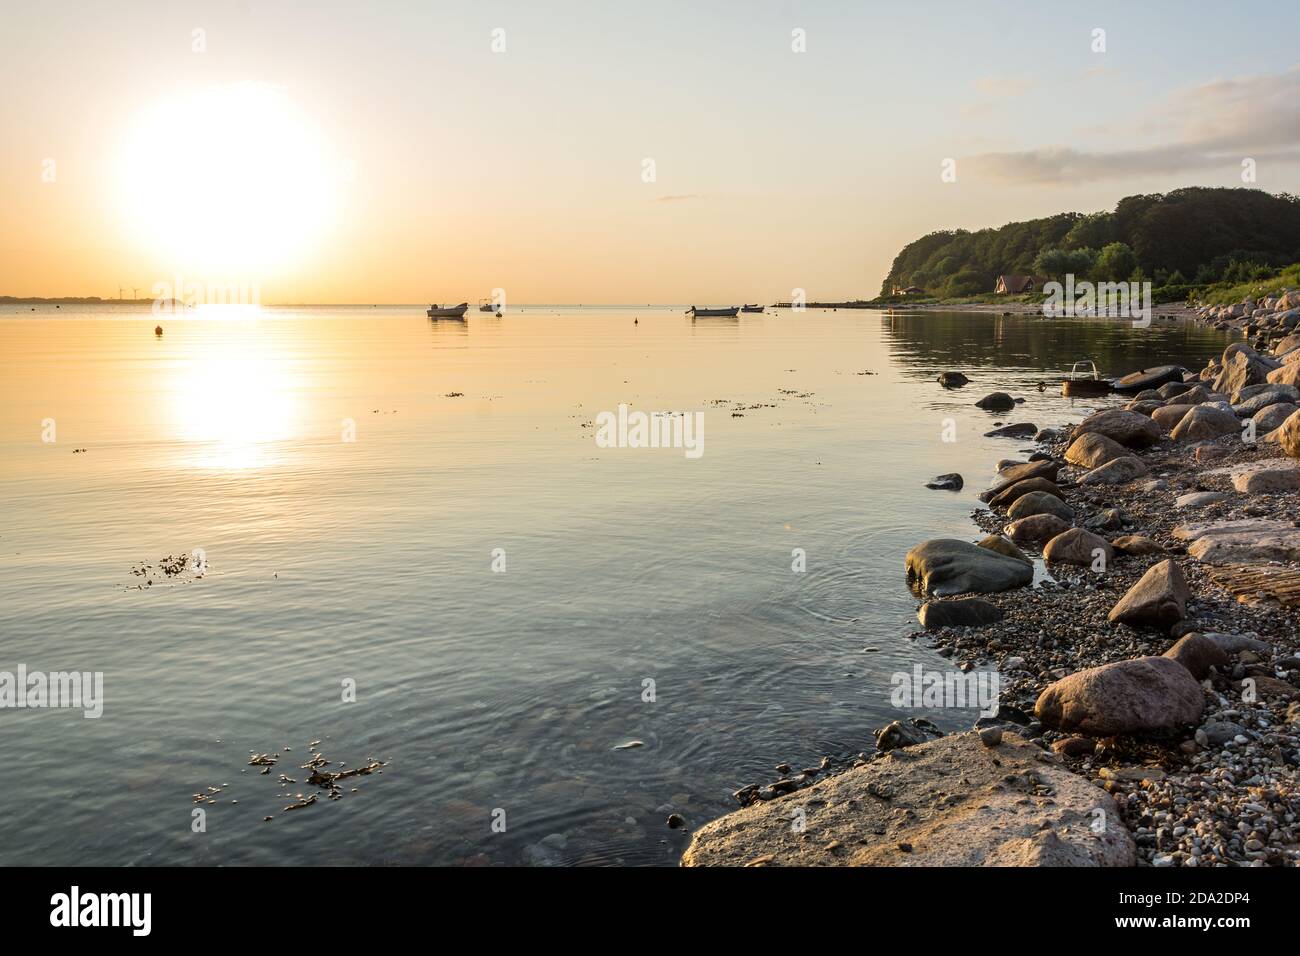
<point x="1134" y="696"/>
<point x="1205" y="422"/>
<point x="1077" y="546"/>
<point x="898" y="734"/>
<point x="1288" y="374"/>
<point x="1040" y="503"/>
<point x="992" y="818"/>
<point x="1021" y="488"/>
<point x="1038" y="529"/>
<point x="952" y="379"/>
<point x="1145" y="407"/>
<point x="1242" y="367"/>
<point x="1241" y="541"/>
<point x="1198" y="654"/>
<point x="1118" y="472"/>
<point x="1136" y="544"/>
<point x="996" y="542"/>
<point x="949" y="482"/>
<point x="1091" y="449"/>
<point x="996" y="401"/>
<point x="944" y="566"/>
<point x="1018" y="430"/>
<point x="958" y="612"/>
<point x="1273" y="417"/>
<point x="1127" y="428"/>
<point x="1168" y="416"/>
<point x="1010" y="475"/>
<point x="1159" y="599"/>
<point x="1170" y="389"/>
<point x="1265" y="477"/>
<point x="1260" y="397"/>
<point x="1288" y="435"/>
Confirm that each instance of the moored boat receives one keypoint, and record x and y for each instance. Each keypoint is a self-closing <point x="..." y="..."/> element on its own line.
<point x="448" y="311"/>
<point x="1084" y="385"/>
<point x="752" y="308"/>
<point x="730" y="313"/>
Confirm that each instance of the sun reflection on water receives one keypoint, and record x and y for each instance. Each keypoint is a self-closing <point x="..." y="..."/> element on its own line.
<point x="234" y="394"/>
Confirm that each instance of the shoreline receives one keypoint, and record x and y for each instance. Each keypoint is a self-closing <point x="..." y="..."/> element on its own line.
<point x="1167" y="680"/>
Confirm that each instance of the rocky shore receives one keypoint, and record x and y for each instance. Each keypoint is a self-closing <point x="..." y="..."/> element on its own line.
<point x="1137" y="594"/>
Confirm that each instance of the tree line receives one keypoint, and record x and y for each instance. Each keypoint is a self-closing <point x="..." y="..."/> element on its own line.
<point x="1184" y="238"/>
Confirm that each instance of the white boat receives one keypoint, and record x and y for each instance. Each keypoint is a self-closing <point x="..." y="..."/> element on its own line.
<point x="447" y="311"/>
<point x="729" y="313"/>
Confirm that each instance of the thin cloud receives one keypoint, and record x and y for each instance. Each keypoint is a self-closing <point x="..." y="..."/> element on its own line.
<point x="683" y="197"/>
<point x="1214" y="124"/>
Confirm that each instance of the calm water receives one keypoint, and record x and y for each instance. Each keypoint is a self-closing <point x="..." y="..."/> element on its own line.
<point x="371" y="561"/>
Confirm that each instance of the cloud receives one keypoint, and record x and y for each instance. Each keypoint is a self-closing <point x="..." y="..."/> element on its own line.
<point x="1004" y="86"/>
<point x="679" y="198"/>
<point x="1215" y="124"/>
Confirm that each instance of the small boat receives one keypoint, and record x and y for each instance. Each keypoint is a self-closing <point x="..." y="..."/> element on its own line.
<point x="485" y="305"/>
<point x="1086" y="385"/>
<point x="447" y="312"/>
<point x="751" y="308"/>
<point x="729" y="313"/>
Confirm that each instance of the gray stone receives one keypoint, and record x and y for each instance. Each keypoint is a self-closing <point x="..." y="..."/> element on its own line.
<point x="1159" y="599"/>
<point x="945" y="566"/>
<point x="1139" y="695"/>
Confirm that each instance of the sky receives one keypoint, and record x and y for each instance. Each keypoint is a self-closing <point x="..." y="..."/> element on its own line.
<point x="599" y="152"/>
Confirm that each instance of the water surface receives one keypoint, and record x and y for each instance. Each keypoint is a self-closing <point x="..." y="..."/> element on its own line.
<point x="369" y="563"/>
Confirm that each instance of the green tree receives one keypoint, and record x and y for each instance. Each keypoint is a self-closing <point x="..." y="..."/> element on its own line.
<point x="1115" y="263"/>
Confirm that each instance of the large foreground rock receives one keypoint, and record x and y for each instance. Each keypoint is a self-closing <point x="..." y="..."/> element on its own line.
<point x="960" y="612"/>
<point x="1198" y="654"/>
<point x="1158" y="599"/>
<point x="1147" y="693"/>
<point x="1021" y="488"/>
<point x="943" y="566"/>
<point x="1288" y="435"/>
<point x="1077" y="546"/>
<point x="1016" y="473"/>
<point x="1127" y="428"/>
<point x="951" y="802"/>
<point x="1091" y="449"/>
<point x="1040" y="503"/>
<point x="1263" y="477"/>
<point x="1273" y="417"/>
<point x="1205" y="422"/>
<point x="1241" y="541"/>
<point x="1036" y="529"/>
<point x="1119" y="471"/>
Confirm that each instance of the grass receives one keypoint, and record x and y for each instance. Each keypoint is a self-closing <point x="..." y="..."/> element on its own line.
<point x="1224" y="293"/>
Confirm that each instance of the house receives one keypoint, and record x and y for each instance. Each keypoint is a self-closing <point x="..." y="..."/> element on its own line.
<point x="909" y="290"/>
<point x="1016" y="285"/>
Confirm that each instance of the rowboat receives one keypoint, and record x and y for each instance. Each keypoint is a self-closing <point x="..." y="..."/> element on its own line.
<point x="751" y="308"/>
<point x="729" y="313"/>
<point x="1086" y="385"/>
<point x="485" y="305"/>
<point x="447" y="312"/>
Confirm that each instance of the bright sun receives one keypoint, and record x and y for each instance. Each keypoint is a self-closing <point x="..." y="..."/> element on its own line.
<point x="229" y="178"/>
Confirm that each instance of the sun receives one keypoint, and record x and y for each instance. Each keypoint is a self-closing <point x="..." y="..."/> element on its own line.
<point x="228" y="178"/>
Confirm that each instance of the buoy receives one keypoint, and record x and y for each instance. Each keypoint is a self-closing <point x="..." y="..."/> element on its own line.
<point x="157" y="330"/>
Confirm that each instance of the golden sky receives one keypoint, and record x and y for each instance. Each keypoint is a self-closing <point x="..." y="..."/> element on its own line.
<point x="608" y="152"/>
